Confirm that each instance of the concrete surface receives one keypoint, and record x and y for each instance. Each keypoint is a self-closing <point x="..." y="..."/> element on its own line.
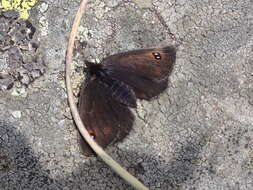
<point x="196" y="135"/>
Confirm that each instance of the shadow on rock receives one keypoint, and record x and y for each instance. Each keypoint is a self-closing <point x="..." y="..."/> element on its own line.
<point x="19" y="167"/>
<point x="153" y="171"/>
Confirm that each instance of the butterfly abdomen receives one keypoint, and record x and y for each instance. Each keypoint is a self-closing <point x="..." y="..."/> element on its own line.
<point x="123" y="93"/>
<point x="118" y="90"/>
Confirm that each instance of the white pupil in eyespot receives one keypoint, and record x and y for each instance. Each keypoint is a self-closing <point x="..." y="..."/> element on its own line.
<point x="92" y="135"/>
<point x="157" y="55"/>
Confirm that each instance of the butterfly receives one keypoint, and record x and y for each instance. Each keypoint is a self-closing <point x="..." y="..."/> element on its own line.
<point x="114" y="85"/>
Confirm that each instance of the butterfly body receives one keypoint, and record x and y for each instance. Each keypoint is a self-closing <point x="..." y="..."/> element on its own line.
<point x="114" y="85"/>
<point x="115" y="88"/>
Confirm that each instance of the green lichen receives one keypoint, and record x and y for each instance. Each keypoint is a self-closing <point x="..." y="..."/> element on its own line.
<point x="22" y="6"/>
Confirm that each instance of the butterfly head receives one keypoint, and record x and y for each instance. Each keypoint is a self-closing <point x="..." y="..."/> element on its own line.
<point x="91" y="68"/>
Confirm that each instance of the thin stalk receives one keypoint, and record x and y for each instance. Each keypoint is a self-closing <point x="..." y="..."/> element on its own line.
<point x="99" y="151"/>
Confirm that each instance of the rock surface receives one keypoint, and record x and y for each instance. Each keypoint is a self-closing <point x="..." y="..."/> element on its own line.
<point x="196" y="135"/>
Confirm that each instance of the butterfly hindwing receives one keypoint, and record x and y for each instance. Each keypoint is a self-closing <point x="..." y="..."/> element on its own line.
<point x="106" y="120"/>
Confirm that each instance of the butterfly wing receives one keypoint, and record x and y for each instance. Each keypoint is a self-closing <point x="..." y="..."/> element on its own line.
<point x="146" y="71"/>
<point x="106" y="120"/>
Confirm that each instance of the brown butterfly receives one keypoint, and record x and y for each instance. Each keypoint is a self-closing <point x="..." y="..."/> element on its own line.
<point x="113" y="86"/>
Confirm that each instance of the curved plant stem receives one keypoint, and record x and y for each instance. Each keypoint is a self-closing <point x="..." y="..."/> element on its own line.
<point x="99" y="151"/>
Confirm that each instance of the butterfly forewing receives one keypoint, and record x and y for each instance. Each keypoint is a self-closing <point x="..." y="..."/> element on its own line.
<point x="146" y="70"/>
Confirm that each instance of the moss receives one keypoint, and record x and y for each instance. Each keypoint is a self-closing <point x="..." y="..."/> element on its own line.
<point x="22" y="6"/>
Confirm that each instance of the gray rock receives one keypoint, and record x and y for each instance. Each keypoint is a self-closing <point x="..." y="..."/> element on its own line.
<point x="196" y="135"/>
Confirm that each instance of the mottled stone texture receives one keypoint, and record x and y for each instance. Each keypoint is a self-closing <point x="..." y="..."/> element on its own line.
<point x="19" y="51"/>
<point x="196" y="135"/>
